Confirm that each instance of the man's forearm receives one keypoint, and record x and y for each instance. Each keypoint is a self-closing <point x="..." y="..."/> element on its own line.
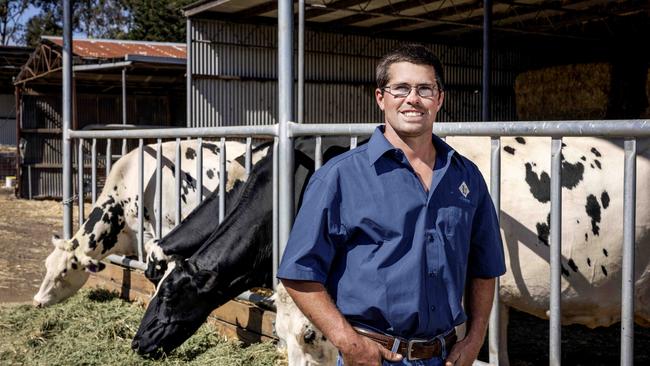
<point x="479" y="304"/>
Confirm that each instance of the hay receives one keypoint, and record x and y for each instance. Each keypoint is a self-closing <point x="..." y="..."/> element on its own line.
<point x="95" y="327"/>
<point x="563" y="92"/>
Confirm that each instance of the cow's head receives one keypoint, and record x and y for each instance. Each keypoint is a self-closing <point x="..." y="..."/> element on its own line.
<point x="66" y="271"/>
<point x="306" y="345"/>
<point x="185" y="297"/>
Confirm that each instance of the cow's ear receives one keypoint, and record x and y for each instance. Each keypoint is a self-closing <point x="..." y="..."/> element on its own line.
<point x="57" y="241"/>
<point x="205" y="281"/>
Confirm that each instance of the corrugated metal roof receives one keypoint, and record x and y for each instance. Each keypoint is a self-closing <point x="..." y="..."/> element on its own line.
<point x="108" y="48"/>
<point x="575" y="20"/>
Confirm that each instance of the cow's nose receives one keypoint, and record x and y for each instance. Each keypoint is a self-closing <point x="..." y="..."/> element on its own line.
<point x="309" y="336"/>
<point x="37" y="304"/>
<point x="135" y="345"/>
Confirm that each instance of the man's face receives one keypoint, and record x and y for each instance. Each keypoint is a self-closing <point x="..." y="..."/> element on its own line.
<point x="410" y="116"/>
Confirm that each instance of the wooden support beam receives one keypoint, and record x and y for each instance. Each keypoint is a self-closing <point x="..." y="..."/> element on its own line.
<point x="235" y="319"/>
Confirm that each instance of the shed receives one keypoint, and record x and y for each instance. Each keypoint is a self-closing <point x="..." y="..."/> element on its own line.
<point x="233" y="57"/>
<point x="148" y="76"/>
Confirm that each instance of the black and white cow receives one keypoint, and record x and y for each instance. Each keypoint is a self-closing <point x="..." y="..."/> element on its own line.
<point x="592" y="237"/>
<point x="112" y="225"/>
<point x="236" y="257"/>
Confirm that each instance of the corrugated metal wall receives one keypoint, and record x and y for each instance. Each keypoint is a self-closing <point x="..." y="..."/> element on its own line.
<point x="234" y="68"/>
<point x="7" y="120"/>
<point x="41" y="133"/>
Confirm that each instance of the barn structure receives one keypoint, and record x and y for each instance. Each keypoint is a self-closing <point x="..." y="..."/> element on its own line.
<point x="116" y="83"/>
<point x="240" y="73"/>
<point x="233" y="66"/>
<point x="11" y="59"/>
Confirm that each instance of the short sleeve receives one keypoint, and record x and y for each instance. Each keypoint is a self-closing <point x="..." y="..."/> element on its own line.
<point x="486" y="258"/>
<point x="315" y="235"/>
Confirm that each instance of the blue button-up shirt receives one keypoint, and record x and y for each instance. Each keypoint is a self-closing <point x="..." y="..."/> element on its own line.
<point x="392" y="255"/>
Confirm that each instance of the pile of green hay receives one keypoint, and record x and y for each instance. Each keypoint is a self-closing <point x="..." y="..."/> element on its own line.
<point x="95" y="327"/>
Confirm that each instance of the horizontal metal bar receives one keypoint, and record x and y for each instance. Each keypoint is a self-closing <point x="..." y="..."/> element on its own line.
<point x="120" y="259"/>
<point x="234" y="131"/>
<point x="610" y="128"/>
<point x="111" y="65"/>
<point x="257" y="299"/>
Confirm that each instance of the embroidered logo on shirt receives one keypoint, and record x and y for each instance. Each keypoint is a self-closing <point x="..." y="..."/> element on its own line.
<point x="464" y="189"/>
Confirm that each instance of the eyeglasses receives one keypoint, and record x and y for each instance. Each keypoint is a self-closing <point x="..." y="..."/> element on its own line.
<point x="403" y="90"/>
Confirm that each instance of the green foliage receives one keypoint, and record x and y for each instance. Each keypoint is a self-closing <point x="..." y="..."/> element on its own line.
<point x="143" y="20"/>
<point x="157" y="20"/>
<point x="95" y="327"/>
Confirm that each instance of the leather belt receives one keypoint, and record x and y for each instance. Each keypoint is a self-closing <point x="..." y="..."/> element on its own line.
<point x="412" y="349"/>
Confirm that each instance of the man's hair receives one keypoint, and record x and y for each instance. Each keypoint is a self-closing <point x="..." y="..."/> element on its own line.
<point x="414" y="53"/>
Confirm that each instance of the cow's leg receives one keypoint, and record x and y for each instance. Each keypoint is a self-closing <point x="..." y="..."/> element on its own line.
<point x="503" y="335"/>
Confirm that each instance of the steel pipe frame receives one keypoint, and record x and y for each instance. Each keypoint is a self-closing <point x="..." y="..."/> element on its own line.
<point x="636" y="128"/>
<point x="555" y="326"/>
<point x="285" y="115"/>
<point x="627" y="286"/>
<point x="67" y="119"/>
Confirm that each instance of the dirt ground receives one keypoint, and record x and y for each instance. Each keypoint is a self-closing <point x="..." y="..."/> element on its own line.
<point x="25" y="231"/>
<point x="26" y="227"/>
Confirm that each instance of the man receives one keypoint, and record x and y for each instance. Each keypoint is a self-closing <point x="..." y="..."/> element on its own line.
<point x="388" y="232"/>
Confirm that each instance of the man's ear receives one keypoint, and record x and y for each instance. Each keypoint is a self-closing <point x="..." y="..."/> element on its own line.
<point x="441" y="99"/>
<point x="379" y="97"/>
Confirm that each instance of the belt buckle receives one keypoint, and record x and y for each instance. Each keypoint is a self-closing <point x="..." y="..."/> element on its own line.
<point x="412" y="342"/>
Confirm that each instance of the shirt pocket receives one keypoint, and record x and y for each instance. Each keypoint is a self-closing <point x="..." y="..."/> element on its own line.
<point x="455" y="222"/>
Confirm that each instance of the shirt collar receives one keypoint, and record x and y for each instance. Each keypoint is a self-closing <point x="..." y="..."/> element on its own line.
<point x="379" y="145"/>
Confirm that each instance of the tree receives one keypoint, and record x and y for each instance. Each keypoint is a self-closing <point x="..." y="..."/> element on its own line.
<point x="157" y="20"/>
<point x="10" y="13"/>
<point x="92" y="18"/>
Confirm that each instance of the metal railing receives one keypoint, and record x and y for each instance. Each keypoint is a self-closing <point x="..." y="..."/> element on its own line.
<point x="630" y="130"/>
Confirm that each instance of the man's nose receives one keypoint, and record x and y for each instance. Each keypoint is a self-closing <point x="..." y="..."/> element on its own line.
<point x="412" y="97"/>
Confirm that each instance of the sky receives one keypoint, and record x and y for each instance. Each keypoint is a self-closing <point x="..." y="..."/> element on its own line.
<point x="30" y="12"/>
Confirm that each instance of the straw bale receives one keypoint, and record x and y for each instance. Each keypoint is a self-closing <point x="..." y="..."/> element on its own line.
<point x="566" y="92"/>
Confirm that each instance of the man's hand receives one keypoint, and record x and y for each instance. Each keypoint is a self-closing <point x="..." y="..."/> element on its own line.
<point x="463" y="353"/>
<point x="361" y="351"/>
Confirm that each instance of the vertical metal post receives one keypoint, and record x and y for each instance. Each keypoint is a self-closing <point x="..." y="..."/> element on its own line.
<point x="222" y="179"/>
<point x="29" y="180"/>
<point x="276" y="213"/>
<point x="627" y="286"/>
<point x="158" y="195"/>
<point x="353" y="142"/>
<point x="188" y="72"/>
<point x="140" y="200"/>
<point x="66" y="120"/>
<point x="495" y="192"/>
<point x="109" y="158"/>
<point x="285" y="108"/>
<point x="199" y="170"/>
<point x="177" y="176"/>
<point x="249" y="155"/>
<point x="301" y="61"/>
<point x="80" y="179"/>
<point x="487" y="35"/>
<point x="555" y="335"/>
<point x="318" y="152"/>
<point x="93" y="171"/>
<point x="124" y="107"/>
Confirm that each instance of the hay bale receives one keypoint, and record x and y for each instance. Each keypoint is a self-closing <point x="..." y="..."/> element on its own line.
<point x="564" y="92"/>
